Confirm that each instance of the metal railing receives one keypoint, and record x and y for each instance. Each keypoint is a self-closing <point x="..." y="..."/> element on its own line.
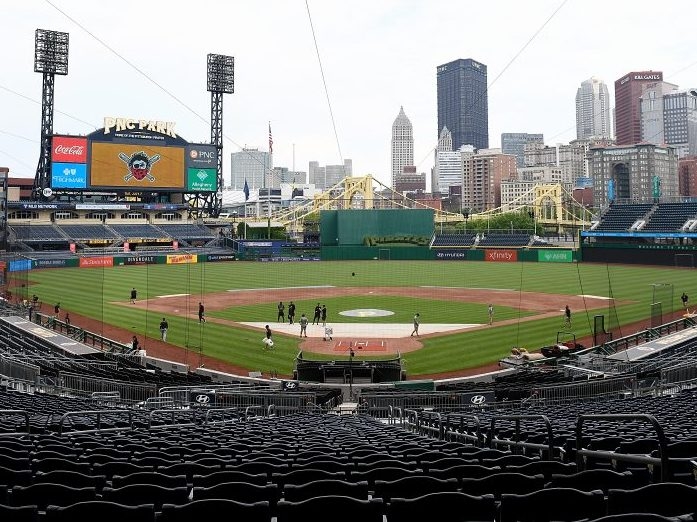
<point x="516" y="442"/>
<point x="98" y="416"/>
<point x="662" y="460"/>
<point x="19" y="370"/>
<point x="457" y="428"/>
<point x="16" y="413"/>
<point x="129" y="392"/>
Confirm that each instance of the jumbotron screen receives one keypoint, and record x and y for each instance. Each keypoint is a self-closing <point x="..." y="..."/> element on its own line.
<point x="135" y="155"/>
<point x="136" y="167"/>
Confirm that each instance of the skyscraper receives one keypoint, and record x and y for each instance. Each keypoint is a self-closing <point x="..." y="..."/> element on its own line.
<point x="514" y="143"/>
<point x="628" y="91"/>
<point x="447" y="170"/>
<point x="250" y="165"/>
<point x="402" y="145"/>
<point x="593" y="110"/>
<point x="680" y="121"/>
<point x="463" y="105"/>
<point x="651" y="111"/>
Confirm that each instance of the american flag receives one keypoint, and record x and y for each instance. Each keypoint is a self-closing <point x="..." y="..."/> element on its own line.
<point x="270" y="140"/>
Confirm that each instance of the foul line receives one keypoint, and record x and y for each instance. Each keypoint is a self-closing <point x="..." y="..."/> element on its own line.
<point x="173" y="295"/>
<point x="279" y="288"/>
<point x="470" y="288"/>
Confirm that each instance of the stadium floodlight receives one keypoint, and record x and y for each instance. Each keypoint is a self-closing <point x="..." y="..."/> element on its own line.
<point x="221" y="73"/>
<point x="51" y="52"/>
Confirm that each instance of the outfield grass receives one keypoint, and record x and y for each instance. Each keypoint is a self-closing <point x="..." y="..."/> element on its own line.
<point x="96" y="293"/>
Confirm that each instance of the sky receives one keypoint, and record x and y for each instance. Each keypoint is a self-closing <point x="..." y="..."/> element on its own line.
<point x="146" y="59"/>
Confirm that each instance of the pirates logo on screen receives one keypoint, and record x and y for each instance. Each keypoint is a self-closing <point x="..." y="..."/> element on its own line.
<point x="139" y="165"/>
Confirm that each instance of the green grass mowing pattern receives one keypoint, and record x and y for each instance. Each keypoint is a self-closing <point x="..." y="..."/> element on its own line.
<point x="404" y="309"/>
<point x="92" y="292"/>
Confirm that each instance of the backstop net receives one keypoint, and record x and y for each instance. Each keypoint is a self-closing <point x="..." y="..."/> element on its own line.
<point x="661" y="306"/>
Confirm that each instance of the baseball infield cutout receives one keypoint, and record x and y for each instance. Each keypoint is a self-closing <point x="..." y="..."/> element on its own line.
<point x="396" y="336"/>
<point x="362" y="330"/>
<point x="366" y="312"/>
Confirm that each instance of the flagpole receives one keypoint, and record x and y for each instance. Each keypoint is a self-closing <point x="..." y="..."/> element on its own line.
<point x="268" y="193"/>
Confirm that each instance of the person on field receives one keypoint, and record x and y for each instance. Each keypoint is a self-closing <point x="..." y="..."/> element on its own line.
<point x="303" y="325"/>
<point x="164" y="326"/>
<point x="201" y="313"/>
<point x="318" y="314"/>
<point x="567" y="316"/>
<point x="291" y="313"/>
<point x="281" y="312"/>
<point x="134" y="344"/>
<point x="268" y="341"/>
<point x="324" y="315"/>
<point x="491" y="313"/>
<point x="684" y="300"/>
<point x="417" y="322"/>
<point x="134" y="295"/>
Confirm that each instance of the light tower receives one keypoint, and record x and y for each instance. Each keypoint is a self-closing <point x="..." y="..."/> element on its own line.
<point x="221" y="80"/>
<point x="50" y="58"/>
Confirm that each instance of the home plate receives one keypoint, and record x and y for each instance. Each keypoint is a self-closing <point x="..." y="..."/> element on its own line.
<point x="368" y="345"/>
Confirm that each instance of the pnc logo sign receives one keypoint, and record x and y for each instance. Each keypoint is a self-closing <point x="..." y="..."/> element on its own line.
<point x="66" y="149"/>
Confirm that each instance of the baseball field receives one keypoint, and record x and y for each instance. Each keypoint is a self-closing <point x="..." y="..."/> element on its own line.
<point x="370" y="304"/>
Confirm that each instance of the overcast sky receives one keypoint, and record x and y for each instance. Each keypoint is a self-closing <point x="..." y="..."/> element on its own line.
<point x="377" y="55"/>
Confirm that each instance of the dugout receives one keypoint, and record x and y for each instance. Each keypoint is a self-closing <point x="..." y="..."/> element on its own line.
<point x="376" y="234"/>
<point x="348" y="371"/>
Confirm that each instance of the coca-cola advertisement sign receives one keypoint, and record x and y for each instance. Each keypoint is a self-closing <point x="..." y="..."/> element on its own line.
<point x="66" y="149"/>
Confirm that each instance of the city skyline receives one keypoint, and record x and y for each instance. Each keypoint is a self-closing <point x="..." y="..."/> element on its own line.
<point x="536" y="58"/>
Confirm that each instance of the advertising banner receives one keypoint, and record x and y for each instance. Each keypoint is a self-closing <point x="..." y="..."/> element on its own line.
<point x="450" y="255"/>
<point x="55" y="263"/>
<point x="201" y="156"/>
<point x="68" y="175"/>
<point x="140" y="260"/>
<point x="182" y="259"/>
<point x="96" y="262"/>
<point x="201" y="180"/>
<point x="501" y="256"/>
<point x="554" y="256"/>
<point x="221" y="257"/>
<point x="137" y="167"/>
<point x="20" y="265"/>
<point x="68" y="149"/>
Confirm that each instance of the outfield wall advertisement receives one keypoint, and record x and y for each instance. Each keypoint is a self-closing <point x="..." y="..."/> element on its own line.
<point x="555" y="256"/>
<point x="501" y="255"/>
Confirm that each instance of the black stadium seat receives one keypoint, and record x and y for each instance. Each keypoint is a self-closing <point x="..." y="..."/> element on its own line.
<point x="214" y="510"/>
<point x="334" y="508"/>
<point x="102" y="511"/>
<point x="443" y="506"/>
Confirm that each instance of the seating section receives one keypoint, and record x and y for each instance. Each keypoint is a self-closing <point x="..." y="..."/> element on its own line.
<point x="670" y="217"/>
<point x="37" y="233"/>
<point x="454" y="240"/>
<point x="144" y="231"/>
<point x="88" y="232"/>
<point x="619" y="218"/>
<point x="187" y="232"/>
<point x="259" y="469"/>
<point x="505" y="240"/>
